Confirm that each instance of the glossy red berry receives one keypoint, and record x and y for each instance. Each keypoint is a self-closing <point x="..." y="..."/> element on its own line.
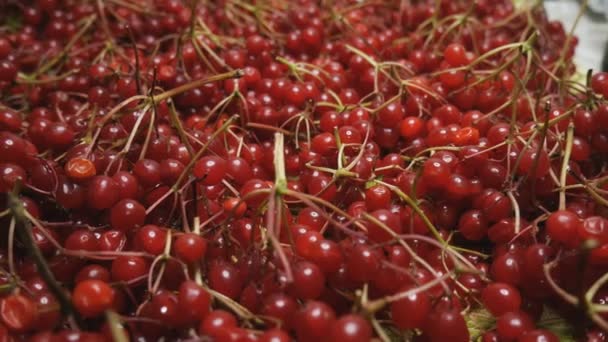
<point x="152" y="239"/>
<point x="127" y="214"/>
<point x="351" y="328"/>
<point x="538" y="335"/>
<point x="194" y="301"/>
<point x="308" y="280"/>
<point x="455" y="55"/>
<point x="315" y="320"/>
<point x="500" y="298"/>
<point x="18" y="312"/>
<point x="225" y="278"/>
<point x="599" y="83"/>
<point x="190" y="247"/>
<point x="446" y="324"/>
<point x="129" y="268"/>
<point x="102" y="192"/>
<point x="512" y="325"/>
<point x="210" y="170"/>
<point x="92" y="297"/>
<point x="563" y="226"/>
<point x="216" y="321"/>
<point x="411" y="311"/>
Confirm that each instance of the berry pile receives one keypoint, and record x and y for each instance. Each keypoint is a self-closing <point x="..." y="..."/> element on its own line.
<point x="279" y="170"/>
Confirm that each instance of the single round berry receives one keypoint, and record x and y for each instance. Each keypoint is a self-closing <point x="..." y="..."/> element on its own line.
<point x="315" y="320"/>
<point x="512" y="325"/>
<point x="190" y="247"/>
<point x="210" y="170"/>
<point x="194" y="301"/>
<point x="102" y="192"/>
<point x="127" y="214"/>
<point x="411" y="311"/>
<point x="351" y="328"/>
<point x="500" y="298"/>
<point x="92" y="297"/>
<point x="129" y="268"/>
<point x="18" y="312"/>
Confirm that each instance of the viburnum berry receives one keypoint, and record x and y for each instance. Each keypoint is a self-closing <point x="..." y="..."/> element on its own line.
<point x="501" y="298"/>
<point x="190" y="247"/>
<point x="318" y="173"/>
<point x="92" y="297"/>
<point x="280" y="308"/>
<point x="18" y="312"/>
<point x="80" y="169"/>
<point x="351" y="328"/>
<point x="129" y="268"/>
<point x="377" y="197"/>
<point x="315" y="320"/>
<point x="102" y="192"/>
<point x="599" y="83"/>
<point x="93" y="272"/>
<point x="193" y="301"/>
<point x="563" y="226"/>
<point x="215" y="321"/>
<point x="538" y="335"/>
<point x="309" y="280"/>
<point x="411" y="311"/>
<point x="411" y="127"/>
<point x="235" y="206"/>
<point x="594" y="228"/>
<point x="275" y="335"/>
<point x="225" y="278"/>
<point x="152" y="239"/>
<point x="512" y="325"/>
<point x="446" y="324"/>
<point x="10" y="175"/>
<point x="211" y="170"/>
<point x="127" y="214"/>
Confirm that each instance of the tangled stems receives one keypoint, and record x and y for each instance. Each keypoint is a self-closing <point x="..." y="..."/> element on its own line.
<point x="50" y="64"/>
<point x="24" y="230"/>
<point x="152" y="101"/>
<point x="378" y="304"/>
<point x="175" y="189"/>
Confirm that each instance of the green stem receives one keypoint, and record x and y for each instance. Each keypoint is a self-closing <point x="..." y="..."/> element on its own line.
<point x="116" y="329"/>
<point x="88" y="22"/>
<point x="279" y="162"/>
<point x="564" y="169"/>
<point x="195" y="84"/>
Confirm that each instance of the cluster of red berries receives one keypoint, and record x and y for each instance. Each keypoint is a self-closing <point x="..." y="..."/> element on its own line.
<point x="304" y="170"/>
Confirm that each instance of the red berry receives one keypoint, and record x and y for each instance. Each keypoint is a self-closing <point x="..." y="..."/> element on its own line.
<point x="194" y="301"/>
<point x="314" y="320"/>
<point x="446" y="324"/>
<point x="351" y="328"/>
<point x="127" y="214"/>
<point x="18" y="312"/>
<point x="80" y="169"/>
<point x="190" y="247"/>
<point x="92" y="297"/>
<point x="129" y="268"/>
<point x="210" y="170"/>
<point x="563" y="226"/>
<point x="512" y="325"/>
<point x="500" y="298"/>
<point x="411" y="311"/>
